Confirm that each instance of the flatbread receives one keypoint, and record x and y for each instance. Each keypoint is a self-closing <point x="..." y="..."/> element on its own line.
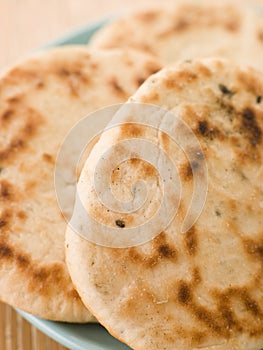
<point x="198" y="289"/>
<point x="190" y="29"/>
<point x="40" y="100"/>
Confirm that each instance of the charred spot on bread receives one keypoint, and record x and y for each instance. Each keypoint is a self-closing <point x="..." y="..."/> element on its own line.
<point x="225" y="90"/>
<point x="120" y="223"/>
<point x="250" y="127"/>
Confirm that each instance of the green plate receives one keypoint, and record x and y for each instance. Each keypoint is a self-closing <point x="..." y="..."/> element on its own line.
<point x="77" y="336"/>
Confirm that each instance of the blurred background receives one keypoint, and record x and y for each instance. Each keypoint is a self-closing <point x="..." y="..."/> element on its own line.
<point x="28" y="24"/>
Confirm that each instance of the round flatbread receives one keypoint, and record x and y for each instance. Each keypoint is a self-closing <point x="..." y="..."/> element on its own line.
<point x="40" y="100"/>
<point x="190" y="29"/>
<point x="182" y="290"/>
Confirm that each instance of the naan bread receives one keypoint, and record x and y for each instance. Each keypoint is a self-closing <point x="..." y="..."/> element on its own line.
<point x="190" y="29"/>
<point x="40" y="100"/>
<point x="199" y="289"/>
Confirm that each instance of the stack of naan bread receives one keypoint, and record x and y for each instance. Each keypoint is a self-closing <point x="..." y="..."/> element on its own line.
<point x="202" y="289"/>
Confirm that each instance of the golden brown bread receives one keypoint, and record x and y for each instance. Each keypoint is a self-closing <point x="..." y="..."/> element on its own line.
<point x="204" y="288"/>
<point x="40" y="100"/>
<point x="190" y="29"/>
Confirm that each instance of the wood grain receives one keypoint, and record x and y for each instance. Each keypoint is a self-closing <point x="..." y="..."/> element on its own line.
<point x="17" y="334"/>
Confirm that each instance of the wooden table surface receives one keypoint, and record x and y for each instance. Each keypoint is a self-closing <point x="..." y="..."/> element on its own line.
<point x="25" y="25"/>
